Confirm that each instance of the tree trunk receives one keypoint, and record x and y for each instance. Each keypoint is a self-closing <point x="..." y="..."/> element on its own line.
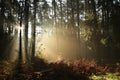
<point x="78" y="12"/>
<point x="54" y="10"/>
<point x="94" y="13"/>
<point x="26" y="27"/>
<point x="2" y="16"/>
<point x="34" y="31"/>
<point x="67" y="15"/>
<point x="72" y="10"/>
<point x="61" y="12"/>
<point x="20" y="34"/>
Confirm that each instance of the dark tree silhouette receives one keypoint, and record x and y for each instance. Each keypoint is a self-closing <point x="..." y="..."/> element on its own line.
<point x="34" y="30"/>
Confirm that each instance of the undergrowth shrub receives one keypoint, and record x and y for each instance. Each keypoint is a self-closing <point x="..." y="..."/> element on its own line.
<point x="76" y="70"/>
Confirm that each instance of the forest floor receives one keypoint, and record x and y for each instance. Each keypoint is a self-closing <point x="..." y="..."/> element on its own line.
<point x="39" y="69"/>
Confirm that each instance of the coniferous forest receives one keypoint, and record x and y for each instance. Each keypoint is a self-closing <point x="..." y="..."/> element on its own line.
<point x="59" y="40"/>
